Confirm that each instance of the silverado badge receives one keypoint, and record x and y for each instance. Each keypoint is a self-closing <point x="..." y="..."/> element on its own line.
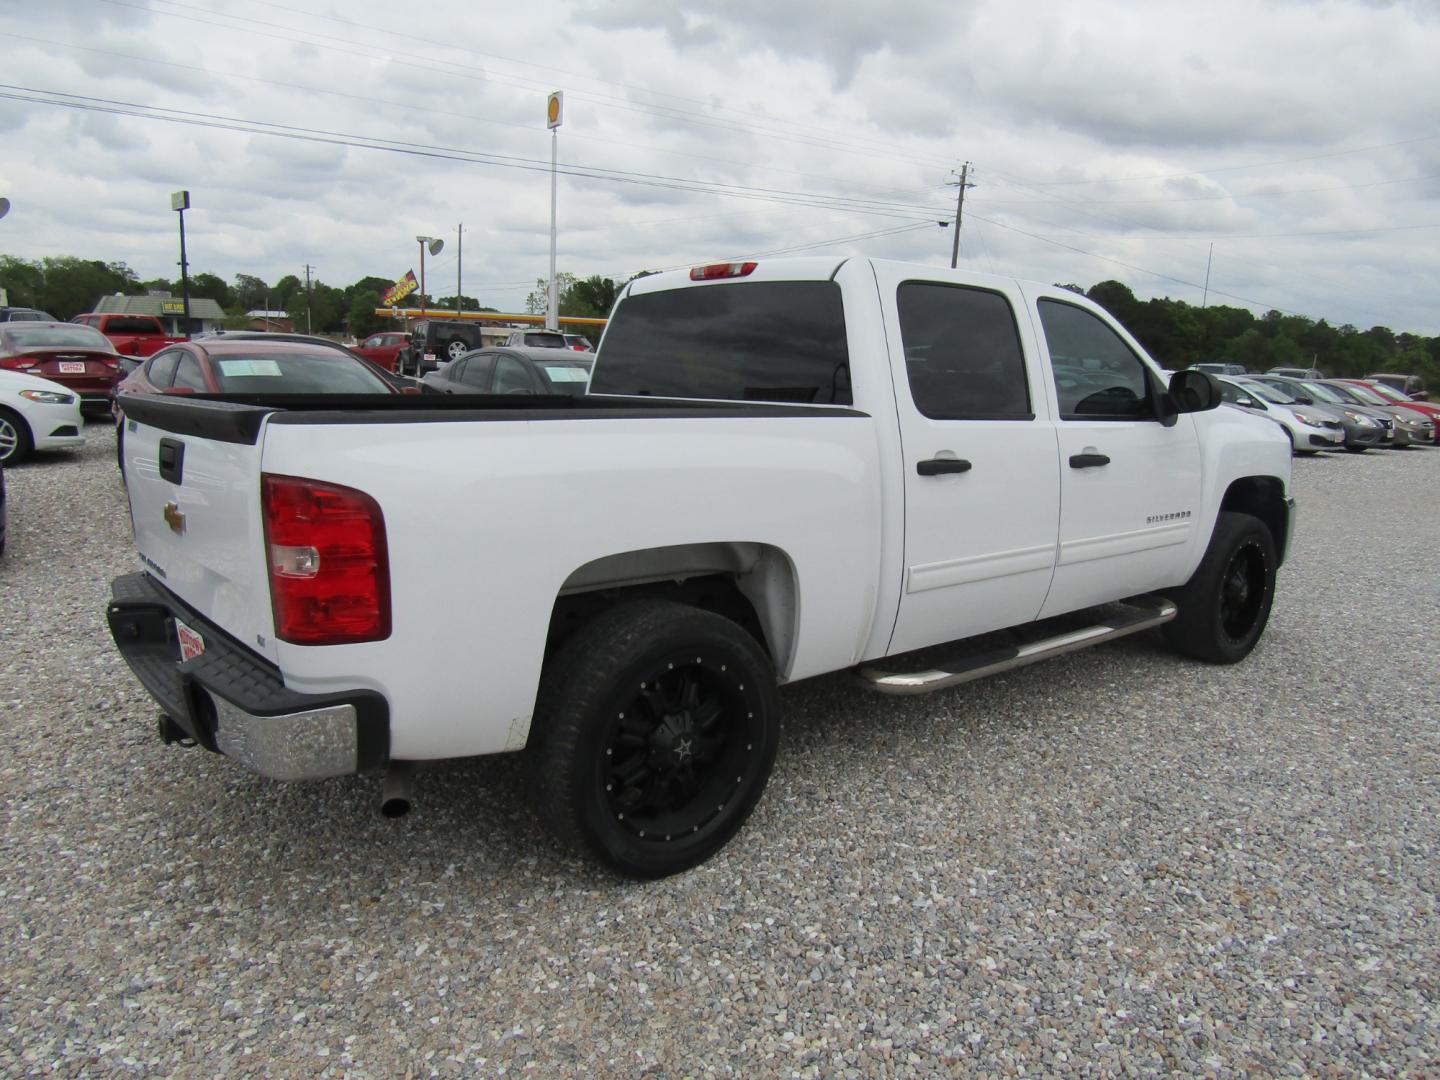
<point x="175" y="519"/>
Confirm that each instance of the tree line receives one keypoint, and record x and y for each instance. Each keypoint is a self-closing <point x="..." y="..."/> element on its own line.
<point x="1175" y="333"/>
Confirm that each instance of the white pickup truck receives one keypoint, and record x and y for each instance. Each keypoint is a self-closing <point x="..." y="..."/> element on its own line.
<point x="782" y="469"/>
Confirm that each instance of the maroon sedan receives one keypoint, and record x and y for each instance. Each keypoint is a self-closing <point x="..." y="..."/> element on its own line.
<point x="77" y="357"/>
<point x="248" y="365"/>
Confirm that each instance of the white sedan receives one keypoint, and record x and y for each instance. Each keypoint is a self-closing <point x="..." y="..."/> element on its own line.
<point x="36" y="414"/>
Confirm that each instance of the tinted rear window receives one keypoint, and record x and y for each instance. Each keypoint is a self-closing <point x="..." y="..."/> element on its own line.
<point x="752" y="341"/>
<point x="294" y="373"/>
<point x="132" y="326"/>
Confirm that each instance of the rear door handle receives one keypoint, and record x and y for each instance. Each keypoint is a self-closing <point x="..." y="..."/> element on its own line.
<point x="940" y="465"/>
<point x="1088" y="461"/>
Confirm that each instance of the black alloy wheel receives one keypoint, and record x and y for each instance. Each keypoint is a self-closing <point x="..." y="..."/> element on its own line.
<point x="1226" y="603"/>
<point x="655" y="732"/>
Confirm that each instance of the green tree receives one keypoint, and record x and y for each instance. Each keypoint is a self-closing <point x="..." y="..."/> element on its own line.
<point x="22" y="280"/>
<point x="249" y="293"/>
<point x="363" y="320"/>
<point x="594" y="297"/>
<point x="536" y="302"/>
<point x="72" y="285"/>
<point x="211" y="287"/>
<point x="283" y="292"/>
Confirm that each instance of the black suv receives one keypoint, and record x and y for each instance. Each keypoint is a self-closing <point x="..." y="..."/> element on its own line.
<point x="448" y="340"/>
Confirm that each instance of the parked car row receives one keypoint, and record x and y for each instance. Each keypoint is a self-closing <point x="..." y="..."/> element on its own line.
<point x="1331" y="414"/>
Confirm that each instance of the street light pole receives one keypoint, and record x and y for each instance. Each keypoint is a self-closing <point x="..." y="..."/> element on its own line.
<point x="554" y="116"/>
<point x="180" y="202"/>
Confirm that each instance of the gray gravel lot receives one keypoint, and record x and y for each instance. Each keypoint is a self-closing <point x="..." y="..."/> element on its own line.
<point x="1116" y="862"/>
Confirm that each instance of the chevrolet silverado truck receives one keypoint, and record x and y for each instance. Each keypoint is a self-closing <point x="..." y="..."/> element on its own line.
<point x="782" y="469"/>
<point x="132" y="335"/>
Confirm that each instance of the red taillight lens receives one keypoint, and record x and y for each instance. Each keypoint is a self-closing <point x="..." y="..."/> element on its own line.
<point x="329" y="564"/>
<point x="721" y="270"/>
<point x="17" y="363"/>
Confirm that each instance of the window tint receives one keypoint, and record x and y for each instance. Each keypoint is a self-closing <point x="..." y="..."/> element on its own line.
<point x="1097" y="376"/>
<point x="511" y="377"/>
<point x="189" y="374"/>
<point x="161" y="370"/>
<point x="962" y="353"/>
<point x="478" y="371"/>
<point x="751" y="341"/>
<point x="1233" y="394"/>
<point x="130" y="326"/>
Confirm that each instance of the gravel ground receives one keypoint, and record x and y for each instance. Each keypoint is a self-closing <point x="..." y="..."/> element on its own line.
<point x="1116" y="862"/>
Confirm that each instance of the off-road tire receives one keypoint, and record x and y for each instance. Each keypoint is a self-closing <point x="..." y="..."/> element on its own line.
<point x="456" y="348"/>
<point x="655" y="731"/>
<point x="1226" y="603"/>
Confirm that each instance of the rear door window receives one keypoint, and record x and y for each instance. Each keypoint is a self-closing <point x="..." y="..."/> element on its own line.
<point x="962" y="353"/>
<point x="161" y="370"/>
<point x="189" y="374"/>
<point x="778" y="341"/>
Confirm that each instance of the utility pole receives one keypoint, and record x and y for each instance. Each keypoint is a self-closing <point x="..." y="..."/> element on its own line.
<point x="459" y="260"/>
<point x="308" y="268"/>
<point x="959" y="210"/>
<point x="1205" y="297"/>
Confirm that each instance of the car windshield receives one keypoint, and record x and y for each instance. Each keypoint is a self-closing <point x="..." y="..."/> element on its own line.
<point x="309" y="372"/>
<point x="1269" y="393"/>
<point x="74" y="336"/>
<point x="1390" y="394"/>
<point x="1323" y="393"/>
<point x="565" y="376"/>
<point x="1365" y="394"/>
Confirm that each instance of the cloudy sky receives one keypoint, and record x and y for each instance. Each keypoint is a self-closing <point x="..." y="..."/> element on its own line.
<point x="1106" y="140"/>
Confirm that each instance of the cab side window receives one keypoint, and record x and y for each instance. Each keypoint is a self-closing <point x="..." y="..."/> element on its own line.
<point x="962" y="353"/>
<point x="1097" y="376"/>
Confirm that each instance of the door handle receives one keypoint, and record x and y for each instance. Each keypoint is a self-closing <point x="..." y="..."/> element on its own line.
<point x="1088" y="461"/>
<point x="940" y="465"/>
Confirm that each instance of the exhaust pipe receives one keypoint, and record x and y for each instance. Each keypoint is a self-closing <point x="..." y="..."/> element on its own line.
<point x="397" y="790"/>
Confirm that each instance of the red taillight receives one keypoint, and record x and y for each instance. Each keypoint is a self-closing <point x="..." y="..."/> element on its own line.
<point x="721" y="270"/>
<point x="328" y="562"/>
<point x="18" y="363"/>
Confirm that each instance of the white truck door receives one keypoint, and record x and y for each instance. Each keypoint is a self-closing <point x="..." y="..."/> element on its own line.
<point x="1130" y="485"/>
<point x="982" y="484"/>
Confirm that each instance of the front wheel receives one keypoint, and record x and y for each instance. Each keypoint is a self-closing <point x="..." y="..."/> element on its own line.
<point x="1226" y="603"/>
<point x="15" y="441"/>
<point x="655" y="731"/>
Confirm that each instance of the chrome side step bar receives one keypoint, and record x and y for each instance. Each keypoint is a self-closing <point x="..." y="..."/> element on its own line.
<point x="1141" y="613"/>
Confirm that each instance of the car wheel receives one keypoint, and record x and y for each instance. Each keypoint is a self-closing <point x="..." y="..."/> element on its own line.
<point x="15" y="441"/>
<point x="655" y="731"/>
<point x="1225" y="605"/>
<point x="456" y="348"/>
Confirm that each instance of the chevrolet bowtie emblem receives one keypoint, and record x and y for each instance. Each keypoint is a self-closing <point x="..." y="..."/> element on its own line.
<point x="175" y="519"/>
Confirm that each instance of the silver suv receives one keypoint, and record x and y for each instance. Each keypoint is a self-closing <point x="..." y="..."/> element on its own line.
<point x="550" y="339"/>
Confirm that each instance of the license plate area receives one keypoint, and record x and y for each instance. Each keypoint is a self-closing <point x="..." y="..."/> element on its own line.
<point x="191" y="643"/>
<point x="72" y="367"/>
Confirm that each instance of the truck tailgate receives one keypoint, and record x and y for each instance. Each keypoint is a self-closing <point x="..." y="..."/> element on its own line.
<point x="195" y="508"/>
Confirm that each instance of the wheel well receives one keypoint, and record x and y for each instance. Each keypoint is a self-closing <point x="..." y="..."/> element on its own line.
<point x="1261" y="497"/>
<point x="753" y="585"/>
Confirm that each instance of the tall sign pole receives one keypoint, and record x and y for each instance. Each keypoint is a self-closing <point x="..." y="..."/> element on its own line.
<point x="459" y="261"/>
<point x="180" y="202"/>
<point x="554" y="116"/>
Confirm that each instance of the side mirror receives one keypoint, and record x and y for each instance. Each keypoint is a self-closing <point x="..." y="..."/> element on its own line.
<point x="1193" y="391"/>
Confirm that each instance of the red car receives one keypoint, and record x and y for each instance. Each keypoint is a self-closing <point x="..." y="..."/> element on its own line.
<point x="132" y="335"/>
<point x="383" y="348"/>
<point x="236" y="364"/>
<point x="1395" y="397"/>
<point x="77" y="357"/>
